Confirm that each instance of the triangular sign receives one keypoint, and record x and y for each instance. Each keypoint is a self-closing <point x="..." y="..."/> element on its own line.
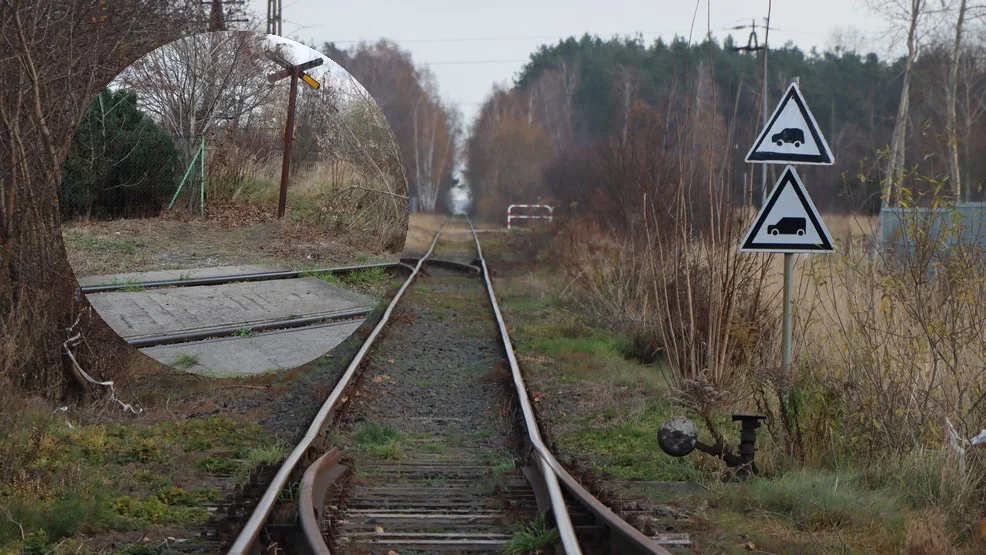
<point x="788" y="221"/>
<point x="791" y="135"/>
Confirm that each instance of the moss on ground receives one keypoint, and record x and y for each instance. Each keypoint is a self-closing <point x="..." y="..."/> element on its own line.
<point x="102" y="478"/>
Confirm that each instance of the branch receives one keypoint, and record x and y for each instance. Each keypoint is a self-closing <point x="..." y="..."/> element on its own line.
<point x="74" y="340"/>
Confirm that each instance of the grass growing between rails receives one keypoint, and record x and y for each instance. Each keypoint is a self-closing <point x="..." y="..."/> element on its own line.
<point x="369" y="281"/>
<point x="379" y="440"/>
<point x="533" y="537"/>
<point x="603" y="408"/>
<point x="67" y="484"/>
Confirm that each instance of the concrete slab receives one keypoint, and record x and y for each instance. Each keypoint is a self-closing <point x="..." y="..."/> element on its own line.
<point x="243" y="356"/>
<point x="134" y="314"/>
<point x="165" y="275"/>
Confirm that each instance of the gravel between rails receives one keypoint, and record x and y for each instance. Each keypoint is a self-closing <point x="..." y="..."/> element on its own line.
<point x="437" y="378"/>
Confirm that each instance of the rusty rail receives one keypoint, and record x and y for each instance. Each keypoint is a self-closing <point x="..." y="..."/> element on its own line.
<point x="316" y="482"/>
<point x="630" y="539"/>
<point x="251" y="531"/>
<point x="321" y="476"/>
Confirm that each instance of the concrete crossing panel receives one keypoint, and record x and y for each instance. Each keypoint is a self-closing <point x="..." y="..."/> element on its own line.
<point x="134" y="314"/>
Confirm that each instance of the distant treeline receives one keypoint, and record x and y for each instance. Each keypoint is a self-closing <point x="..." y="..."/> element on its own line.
<point x="557" y="130"/>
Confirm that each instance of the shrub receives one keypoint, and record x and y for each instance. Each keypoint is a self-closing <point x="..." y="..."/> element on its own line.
<point x="119" y="162"/>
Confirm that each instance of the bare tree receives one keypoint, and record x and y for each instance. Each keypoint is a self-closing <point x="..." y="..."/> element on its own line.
<point x="192" y="83"/>
<point x="426" y="129"/>
<point x="56" y="56"/>
<point x="906" y="14"/>
<point x="846" y="39"/>
<point x="951" y="94"/>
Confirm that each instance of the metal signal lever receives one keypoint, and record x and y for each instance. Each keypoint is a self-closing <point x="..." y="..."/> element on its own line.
<point x="679" y="437"/>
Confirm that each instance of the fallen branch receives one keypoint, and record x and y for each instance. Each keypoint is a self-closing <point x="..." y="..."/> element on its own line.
<point x="10" y="517"/>
<point x="74" y="340"/>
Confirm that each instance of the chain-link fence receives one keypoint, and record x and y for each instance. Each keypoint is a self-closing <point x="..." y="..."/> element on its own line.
<point x="345" y="174"/>
<point x="145" y="175"/>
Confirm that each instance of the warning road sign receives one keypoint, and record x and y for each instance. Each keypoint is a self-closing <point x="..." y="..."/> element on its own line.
<point x="791" y="135"/>
<point x="310" y="81"/>
<point x="788" y="221"/>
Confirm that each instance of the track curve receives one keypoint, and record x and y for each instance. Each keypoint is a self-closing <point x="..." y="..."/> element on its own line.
<point x="557" y="492"/>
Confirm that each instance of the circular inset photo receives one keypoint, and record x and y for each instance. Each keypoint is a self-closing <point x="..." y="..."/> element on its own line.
<point x="234" y="203"/>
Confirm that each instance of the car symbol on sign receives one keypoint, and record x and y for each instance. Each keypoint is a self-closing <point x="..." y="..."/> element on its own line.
<point x="788" y="226"/>
<point x="789" y="135"/>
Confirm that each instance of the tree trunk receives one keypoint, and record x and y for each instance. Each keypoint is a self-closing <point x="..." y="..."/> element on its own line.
<point x="57" y="56"/>
<point x="895" y="167"/>
<point x="417" y="150"/>
<point x="952" y="88"/>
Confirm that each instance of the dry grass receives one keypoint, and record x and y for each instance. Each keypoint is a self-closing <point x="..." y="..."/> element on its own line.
<point x="819" y="302"/>
<point x="421" y="229"/>
<point x="123" y="246"/>
<point x="335" y="215"/>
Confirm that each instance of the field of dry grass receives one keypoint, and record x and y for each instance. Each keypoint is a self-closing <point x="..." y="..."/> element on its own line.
<point x="421" y="229"/>
<point x="875" y="472"/>
<point x="812" y="292"/>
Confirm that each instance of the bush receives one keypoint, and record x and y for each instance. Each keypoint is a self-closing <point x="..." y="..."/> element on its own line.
<point x="119" y="162"/>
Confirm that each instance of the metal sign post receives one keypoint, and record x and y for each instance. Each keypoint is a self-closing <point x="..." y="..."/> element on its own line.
<point x="295" y="72"/>
<point x="788" y="221"/>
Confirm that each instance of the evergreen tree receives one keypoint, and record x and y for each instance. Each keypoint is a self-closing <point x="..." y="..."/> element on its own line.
<point x="119" y="162"/>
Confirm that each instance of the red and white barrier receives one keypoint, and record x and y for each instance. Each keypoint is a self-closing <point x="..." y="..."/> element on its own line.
<point x="511" y="215"/>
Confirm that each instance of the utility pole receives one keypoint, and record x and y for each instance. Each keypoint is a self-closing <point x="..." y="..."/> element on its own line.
<point x="218" y="15"/>
<point x="274" y="17"/>
<point x="753" y="45"/>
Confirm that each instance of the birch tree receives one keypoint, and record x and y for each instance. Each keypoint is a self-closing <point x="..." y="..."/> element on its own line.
<point x="951" y="95"/>
<point x="904" y="17"/>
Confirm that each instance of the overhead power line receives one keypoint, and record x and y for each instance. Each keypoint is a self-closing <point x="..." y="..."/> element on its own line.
<point x="493" y="39"/>
<point x="469" y="62"/>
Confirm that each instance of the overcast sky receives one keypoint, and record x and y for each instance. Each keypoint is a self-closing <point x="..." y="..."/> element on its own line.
<point x="329" y="73"/>
<point x="470" y="45"/>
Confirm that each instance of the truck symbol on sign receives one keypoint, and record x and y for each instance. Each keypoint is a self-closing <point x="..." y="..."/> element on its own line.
<point x="788" y="226"/>
<point x="789" y="135"/>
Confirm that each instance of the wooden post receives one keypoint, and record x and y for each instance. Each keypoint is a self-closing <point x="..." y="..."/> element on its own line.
<point x="288" y="138"/>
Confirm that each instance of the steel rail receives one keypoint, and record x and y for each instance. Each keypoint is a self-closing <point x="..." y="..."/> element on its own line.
<point x="453" y="264"/>
<point x="317" y="480"/>
<point x="550" y="467"/>
<point x="565" y="529"/>
<point x="217" y="280"/>
<point x="251" y="531"/>
<point x="230" y="331"/>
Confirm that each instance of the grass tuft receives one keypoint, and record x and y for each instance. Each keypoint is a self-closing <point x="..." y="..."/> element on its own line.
<point x="367" y="278"/>
<point x="328" y="277"/>
<point x="816" y="500"/>
<point x="184" y="361"/>
<point x="532" y="537"/>
<point x="379" y="440"/>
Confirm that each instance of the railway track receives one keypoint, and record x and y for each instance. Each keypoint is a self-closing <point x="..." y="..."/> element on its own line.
<point x="243" y="318"/>
<point x="470" y="465"/>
